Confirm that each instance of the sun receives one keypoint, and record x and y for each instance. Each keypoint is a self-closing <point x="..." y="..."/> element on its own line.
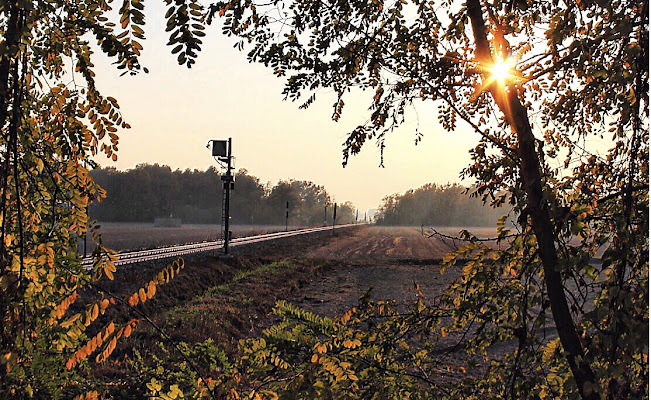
<point x="502" y="70"/>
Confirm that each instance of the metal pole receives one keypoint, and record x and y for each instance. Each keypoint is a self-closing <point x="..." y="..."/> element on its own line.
<point x="334" y="218"/>
<point x="87" y="217"/>
<point x="227" y="207"/>
<point x="86" y="233"/>
<point x="325" y="208"/>
<point x="286" y="215"/>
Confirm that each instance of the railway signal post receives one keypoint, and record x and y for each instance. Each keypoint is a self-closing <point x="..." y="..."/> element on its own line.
<point x="221" y="150"/>
<point x="286" y="215"/>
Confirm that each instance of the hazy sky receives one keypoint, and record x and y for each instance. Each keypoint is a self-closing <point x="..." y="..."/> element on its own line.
<point x="174" y="112"/>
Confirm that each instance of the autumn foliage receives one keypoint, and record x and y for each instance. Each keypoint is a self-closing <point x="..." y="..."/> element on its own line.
<point x="567" y="283"/>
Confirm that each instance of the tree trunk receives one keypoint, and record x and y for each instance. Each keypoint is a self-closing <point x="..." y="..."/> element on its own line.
<point x="538" y="209"/>
<point x="11" y="40"/>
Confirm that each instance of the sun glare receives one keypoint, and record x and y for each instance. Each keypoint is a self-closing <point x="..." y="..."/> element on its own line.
<point x="502" y="70"/>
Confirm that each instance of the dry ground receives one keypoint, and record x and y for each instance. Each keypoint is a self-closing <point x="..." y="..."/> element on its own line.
<point x="329" y="274"/>
<point x="227" y="299"/>
<point x="390" y="260"/>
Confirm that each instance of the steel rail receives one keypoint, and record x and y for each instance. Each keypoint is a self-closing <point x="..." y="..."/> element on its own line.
<point x="131" y="257"/>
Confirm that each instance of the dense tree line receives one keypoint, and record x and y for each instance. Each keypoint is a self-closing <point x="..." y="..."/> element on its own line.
<point x="437" y="205"/>
<point x="150" y="191"/>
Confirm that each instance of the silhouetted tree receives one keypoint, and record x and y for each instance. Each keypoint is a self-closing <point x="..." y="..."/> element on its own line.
<point x="149" y="191"/>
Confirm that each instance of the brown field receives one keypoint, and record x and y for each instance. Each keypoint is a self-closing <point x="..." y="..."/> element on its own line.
<point x="388" y="259"/>
<point x="410" y="244"/>
<point x="227" y="299"/>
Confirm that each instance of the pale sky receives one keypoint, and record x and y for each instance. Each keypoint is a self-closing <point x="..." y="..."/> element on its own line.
<point x="174" y="112"/>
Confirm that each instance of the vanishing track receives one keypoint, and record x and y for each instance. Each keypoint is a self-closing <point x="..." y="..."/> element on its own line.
<point x="132" y="257"/>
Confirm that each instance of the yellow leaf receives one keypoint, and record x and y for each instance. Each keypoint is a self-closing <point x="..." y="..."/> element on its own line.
<point x="112" y="344"/>
<point x="151" y="289"/>
<point x="154" y="385"/>
<point x="272" y="395"/>
<point x="449" y="257"/>
<point x="315" y="358"/>
<point x="73" y="333"/>
<point x="110" y="328"/>
<point x="108" y="273"/>
<point x="142" y="295"/>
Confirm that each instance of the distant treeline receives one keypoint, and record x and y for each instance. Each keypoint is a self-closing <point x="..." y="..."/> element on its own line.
<point x="437" y="205"/>
<point x="150" y="191"/>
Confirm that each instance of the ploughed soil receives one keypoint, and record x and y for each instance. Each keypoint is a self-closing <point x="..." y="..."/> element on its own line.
<point x="329" y="271"/>
<point x="388" y="260"/>
<point x="228" y="298"/>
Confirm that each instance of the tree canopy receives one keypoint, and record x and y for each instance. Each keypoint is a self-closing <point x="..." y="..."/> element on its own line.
<point x="54" y="123"/>
<point x="537" y="81"/>
<point x="148" y="191"/>
<point x="437" y="205"/>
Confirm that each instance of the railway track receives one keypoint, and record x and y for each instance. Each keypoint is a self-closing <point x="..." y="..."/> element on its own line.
<point x="132" y="257"/>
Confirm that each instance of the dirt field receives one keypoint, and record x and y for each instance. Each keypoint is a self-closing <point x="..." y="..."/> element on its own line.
<point x="389" y="260"/>
<point x="227" y="299"/>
